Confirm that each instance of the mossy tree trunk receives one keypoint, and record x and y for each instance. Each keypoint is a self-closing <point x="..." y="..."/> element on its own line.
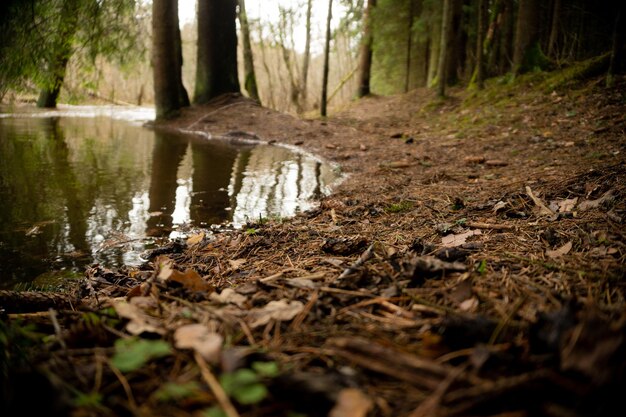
<point x="165" y="60"/>
<point x="248" y="59"/>
<point x="446" y="35"/>
<point x="216" y="69"/>
<point x="64" y="48"/>
<point x="367" y="41"/>
<point x="527" y="53"/>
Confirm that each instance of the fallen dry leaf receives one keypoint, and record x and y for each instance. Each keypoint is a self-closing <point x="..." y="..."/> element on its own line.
<point x="557" y="253"/>
<point x="199" y="338"/>
<point x="236" y="263"/>
<point x="450" y="241"/>
<point x="351" y="402"/>
<point x="190" y="279"/>
<point x="282" y="310"/>
<point x="591" y="204"/>
<point x="229" y="296"/>
<point x="543" y="209"/>
<point x="474" y="160"/>
<point x="195" y="239"/>
<point x="139" y="321"/>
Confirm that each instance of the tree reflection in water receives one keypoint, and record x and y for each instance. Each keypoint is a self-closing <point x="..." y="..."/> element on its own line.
<point x="75" y="191"/>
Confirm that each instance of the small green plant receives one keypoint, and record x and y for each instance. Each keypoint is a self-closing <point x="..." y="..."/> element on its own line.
<point x="482" y="267"/>
<point x="175" y="391"/>
<point x="246" y="385"/>
<point x="251" y="231"/>
<point x="133" y="353"/>
<point x="399" y="207"/>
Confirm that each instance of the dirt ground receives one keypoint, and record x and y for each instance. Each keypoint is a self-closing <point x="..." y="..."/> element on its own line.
<point x="471" y="263"/>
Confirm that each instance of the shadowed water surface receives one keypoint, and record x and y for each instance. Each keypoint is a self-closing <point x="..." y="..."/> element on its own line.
<point x="90" y="185"/>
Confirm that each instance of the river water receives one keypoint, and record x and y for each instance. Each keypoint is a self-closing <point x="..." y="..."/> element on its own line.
<point x="84" y="185"/>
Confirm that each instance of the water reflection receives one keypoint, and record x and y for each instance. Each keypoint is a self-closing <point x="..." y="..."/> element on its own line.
<point x="74" y="191"/>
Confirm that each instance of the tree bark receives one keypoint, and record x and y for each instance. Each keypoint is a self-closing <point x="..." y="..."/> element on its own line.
<point x="526" y="36"/>
<point x="435" y="42"/>
<point x="443" y="48"/>
<point x="62" y="53"/>
<point x="323" y="109"/>
<point x="165" y="60"/>
<point x="554" y="30"/>
<point x="248" y="59"/>
<point x="216" y="69"/>
<point x="409" y="45"/>
<point x="366" y="52"/>
<point x="307" y="54"/>
<point x="480" y="41"/>
<point x="617" y="52"/>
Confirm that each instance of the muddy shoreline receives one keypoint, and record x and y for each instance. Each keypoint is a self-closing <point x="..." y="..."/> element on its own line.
<point x="471" y="263"/>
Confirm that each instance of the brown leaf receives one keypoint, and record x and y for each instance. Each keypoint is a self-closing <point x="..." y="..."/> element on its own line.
<point x="451" y="241"/>
<point x="236" y="263"/>
<point x="139" y="321"/>
<point x="543" y="209"/>
<point x="351" y="402"/>
<point x="282" y="310"/>
<point x="195" y="239"/>
<point x="199" y="338"/>
<point x="591" y="204"/>
<point x="472" y="160"/>
<point x="229" y="296"/>
<point x="557" y="253"/>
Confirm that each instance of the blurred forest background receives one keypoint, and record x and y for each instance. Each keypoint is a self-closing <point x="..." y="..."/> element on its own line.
<point x="413" y="43"/>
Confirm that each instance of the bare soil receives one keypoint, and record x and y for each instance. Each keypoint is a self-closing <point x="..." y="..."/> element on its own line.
<point x="471" y="263"/>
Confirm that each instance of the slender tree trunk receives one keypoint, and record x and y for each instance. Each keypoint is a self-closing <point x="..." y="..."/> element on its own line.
<point x="443" y="48"/>
<point x="526" y="36"/>
<point x="480" y="40"/>
<point x="216" y="68"/>
<point x="409" y="45"/>
<point x="248" y="59"/>
<point x="435" y="42"/>
<point x="165" y="59"/>
<point x="307" y="54"/>
<point x="505" y="61"/>
<point x="326" y="60"/>
<point x="366" y="52"/>
<point x="617" y="52"/>
<point x="554" y="30"/>
<point x="183" y="97"/>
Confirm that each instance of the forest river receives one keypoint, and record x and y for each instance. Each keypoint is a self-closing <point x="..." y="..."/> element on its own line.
<point x="83" y="185"/>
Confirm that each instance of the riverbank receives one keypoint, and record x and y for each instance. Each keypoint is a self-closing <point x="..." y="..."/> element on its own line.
<point x="470" y="263"/>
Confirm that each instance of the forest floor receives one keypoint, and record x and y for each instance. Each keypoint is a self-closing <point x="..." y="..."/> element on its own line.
<point x="471" y="263"/>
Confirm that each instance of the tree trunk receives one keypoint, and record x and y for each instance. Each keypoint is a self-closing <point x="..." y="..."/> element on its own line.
<point x="366" y="52"/>
<point x="480" y="40"/>
<point x="617" y="52"/>
<point x="49" y="95"/>
<point x="183" y="97"/>
<point x="409" y="45"/>
<point x="216" y="68"/>
<point x="443" y="48"/>
<point x="248" y="60"/>
<point x="554" y="30"/>
<point x="165" y="62"/>
<point x="307" y="54"/>
<point x="526" y="51"/>
<point x="435" y="42"/>
<point x="62" y="53"/>
<point x="326" y="60"/>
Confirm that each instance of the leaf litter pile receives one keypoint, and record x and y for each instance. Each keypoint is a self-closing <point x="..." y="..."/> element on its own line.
<point x="470" y="264"/>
